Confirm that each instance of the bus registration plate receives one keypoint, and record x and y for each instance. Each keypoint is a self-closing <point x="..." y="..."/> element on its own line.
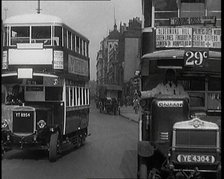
<point x="196" y="158"/>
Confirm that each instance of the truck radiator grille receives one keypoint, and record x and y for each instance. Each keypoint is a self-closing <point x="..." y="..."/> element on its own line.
<point x="203" y="138"/>
<point x="23" y="122"/>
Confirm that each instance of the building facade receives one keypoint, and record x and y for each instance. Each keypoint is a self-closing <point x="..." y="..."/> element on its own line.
<point x="118" y="59"/>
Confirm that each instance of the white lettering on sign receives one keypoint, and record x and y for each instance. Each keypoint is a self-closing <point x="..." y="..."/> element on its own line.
<point x="207" y="37"/>
<point x="170" y="103"/>
<point x="188" y="37"/>
<point x="196" y="158"/>
<point x="20" y="114"/>
<point x="58" y="60"/>
<point x="174" y="37"/>
<point x="78" y="66"/>
<point x="195" y="57"/>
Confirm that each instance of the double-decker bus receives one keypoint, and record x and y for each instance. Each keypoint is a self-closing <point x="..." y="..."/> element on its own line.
<point x="179" y="137"/>
<point x="45" y="92"/>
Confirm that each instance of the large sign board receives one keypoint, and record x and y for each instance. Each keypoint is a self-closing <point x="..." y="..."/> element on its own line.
<point x="78" y="66"/>
<point x="207" y="37"/>
<point x="177" y="21"/>
<point x="176" y="37"/>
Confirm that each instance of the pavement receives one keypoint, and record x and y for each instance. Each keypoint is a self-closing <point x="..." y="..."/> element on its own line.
<point x="129" y="113"/>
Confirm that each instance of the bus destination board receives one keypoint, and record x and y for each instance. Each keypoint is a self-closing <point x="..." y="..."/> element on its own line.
<point x="174" y="37"/>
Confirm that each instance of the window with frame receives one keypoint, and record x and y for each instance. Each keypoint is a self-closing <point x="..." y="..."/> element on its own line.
<point x="214" y="94"/>
<point x="5" y="40"/>
<point x="67" y="96"/>
<point x="214" y="9"/>
<point x="57" y="39"/>
<point x="84" y="48"/>
<point x="81" y="47"/>
<point x="165" y="9"/>
<point x="65" y="37"/>
<point x="196" y="91"/>
<point x="69" y="40"/>
<point x="73" y="42"/>
<point x="20" y="34"/>
<point x="41" y="34"/>
<point x="78" y="97"/>
<point x="77" y="44"/>
<point x="192" y="8"/>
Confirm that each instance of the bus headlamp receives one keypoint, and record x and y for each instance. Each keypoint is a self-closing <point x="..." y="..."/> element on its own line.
<point x="4" y="123"/>
<point x="41" y="124"/>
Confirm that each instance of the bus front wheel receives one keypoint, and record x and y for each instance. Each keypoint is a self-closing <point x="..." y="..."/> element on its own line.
<point x="53" y="147"/>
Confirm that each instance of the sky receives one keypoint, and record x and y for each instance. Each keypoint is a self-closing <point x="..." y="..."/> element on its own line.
<point x="92" y="18"/>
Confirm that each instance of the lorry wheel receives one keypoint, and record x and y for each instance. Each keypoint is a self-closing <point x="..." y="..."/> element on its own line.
<point x="83" y="139"/>
<point x="143" y="171"/>
<point x="53" y="147"/>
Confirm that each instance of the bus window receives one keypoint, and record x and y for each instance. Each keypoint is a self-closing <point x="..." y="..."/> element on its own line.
<point x="77" y="44"/>
<point x="165" y="9"/>
<point x="20" y="35"/>
<point x="57" y="39"/>
<point x="78" y="96"/>
<point x="71" y="97"/>
<point x="84" y="96"/>
<point x="73" y="42"/>
<point x="193" y="8"/>
<point x="69" y="40"/>
<point x="214" y="94"/>
<point x="3" y="93"/>
<point x="84" y="48"/>
<point x="5" y="40"/>
<point x="75" y="96"/>
<point x="65" y="37"/>
<point x="87" y="49"/>
<point x="41" y="34"/>
<point x="214" y="9"/>
<point x="214" y="84"/>
<point x="67" y="96"/>
<point x="53" y="93"/>
<point x="80" y="89"/>
<point x="197" y="99"/>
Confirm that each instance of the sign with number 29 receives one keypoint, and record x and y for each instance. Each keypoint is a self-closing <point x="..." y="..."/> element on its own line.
<point x="195" y="57"/>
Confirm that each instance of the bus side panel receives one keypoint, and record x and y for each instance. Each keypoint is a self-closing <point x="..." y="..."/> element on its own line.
<point x="76" y="119"/>
<point x="58" y="115"/>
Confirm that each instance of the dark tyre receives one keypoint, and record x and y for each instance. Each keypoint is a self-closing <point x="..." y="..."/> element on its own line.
<point x="53" y="146"/>
<point x="83" y="139"/>
<point x="143" y="171"/>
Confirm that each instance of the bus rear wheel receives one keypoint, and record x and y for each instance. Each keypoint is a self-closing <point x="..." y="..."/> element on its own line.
<point x="53" y="147"/>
